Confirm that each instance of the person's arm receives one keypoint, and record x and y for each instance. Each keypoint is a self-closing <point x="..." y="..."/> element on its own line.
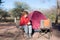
<point x="27" y="21"/>
<point x="21" y="21"/>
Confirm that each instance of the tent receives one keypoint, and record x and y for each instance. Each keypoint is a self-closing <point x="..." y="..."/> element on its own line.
<point x="36" y="17"/>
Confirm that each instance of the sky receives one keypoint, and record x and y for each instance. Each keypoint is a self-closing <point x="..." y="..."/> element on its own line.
<point x="34" y="4"/>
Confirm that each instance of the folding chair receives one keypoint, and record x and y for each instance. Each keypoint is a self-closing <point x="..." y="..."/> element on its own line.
<point x="45" y="28"/>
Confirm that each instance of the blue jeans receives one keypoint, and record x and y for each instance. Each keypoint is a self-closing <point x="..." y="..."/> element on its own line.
<point x="28" y="29"/>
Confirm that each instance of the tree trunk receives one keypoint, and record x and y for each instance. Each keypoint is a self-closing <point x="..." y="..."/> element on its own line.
<point x="56" y="21"/>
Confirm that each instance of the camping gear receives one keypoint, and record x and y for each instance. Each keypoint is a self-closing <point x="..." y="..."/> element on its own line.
<point x="36" y="18"/>
<point x="41" y="23"/>
<point x="45" y="23"/>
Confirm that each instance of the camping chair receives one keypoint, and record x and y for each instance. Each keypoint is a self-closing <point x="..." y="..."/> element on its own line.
<point x="45" y="28"/>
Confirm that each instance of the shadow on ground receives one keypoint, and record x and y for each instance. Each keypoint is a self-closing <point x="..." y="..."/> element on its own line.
<point x="56" y="28"/>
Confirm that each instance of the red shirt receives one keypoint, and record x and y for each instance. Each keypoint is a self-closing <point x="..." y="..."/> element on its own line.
<point x="24" y="20"/>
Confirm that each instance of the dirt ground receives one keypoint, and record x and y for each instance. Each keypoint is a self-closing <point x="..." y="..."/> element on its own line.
<point x="8" y="31"/>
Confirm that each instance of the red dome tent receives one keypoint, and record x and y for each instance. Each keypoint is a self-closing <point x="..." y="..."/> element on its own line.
<point x="40" y="23"/>
<point x="36" y="17"/>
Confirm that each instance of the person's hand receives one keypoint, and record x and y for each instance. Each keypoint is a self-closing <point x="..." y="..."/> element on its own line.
<point x="28" y="23"/>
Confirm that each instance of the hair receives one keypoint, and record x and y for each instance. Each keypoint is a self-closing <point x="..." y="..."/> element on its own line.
<point x="24" y="12"/>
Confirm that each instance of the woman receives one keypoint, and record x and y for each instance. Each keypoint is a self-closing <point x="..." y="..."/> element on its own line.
<point x="26" y="23"/>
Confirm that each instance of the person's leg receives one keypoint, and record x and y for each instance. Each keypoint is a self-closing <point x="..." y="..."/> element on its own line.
<point x="30" y="30"/>
<point x="26" y="29"/>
